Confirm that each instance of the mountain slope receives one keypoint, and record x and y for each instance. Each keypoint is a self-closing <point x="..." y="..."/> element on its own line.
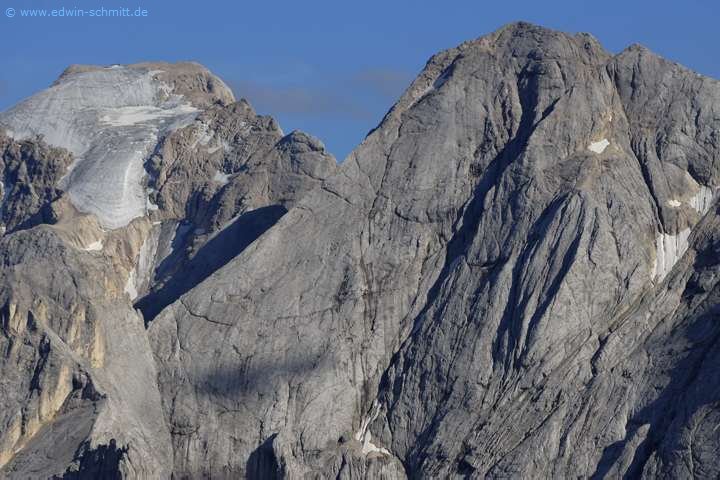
<point x="459" y="297"/>
<point x="77" y="369"/>
<point x="514" y="275"/>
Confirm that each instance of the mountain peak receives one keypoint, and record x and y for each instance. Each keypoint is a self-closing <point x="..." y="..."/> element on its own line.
<point x="515" y="275"/>
<point x="111" y="118"/>
<point x="190" y="79"/>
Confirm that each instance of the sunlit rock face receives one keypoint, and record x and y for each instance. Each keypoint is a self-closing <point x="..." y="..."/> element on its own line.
<point x="81" y="241"/>
<point x="515" y="275"/>
<point x="111" y="119"/>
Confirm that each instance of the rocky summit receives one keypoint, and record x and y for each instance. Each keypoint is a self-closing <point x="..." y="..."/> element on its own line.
<point x="515" y="275"/>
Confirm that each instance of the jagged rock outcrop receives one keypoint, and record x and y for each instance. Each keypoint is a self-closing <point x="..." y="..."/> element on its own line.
<point x="219" y="183"/>
<point x="514" y="275"/>
<point x="30" y="173"/>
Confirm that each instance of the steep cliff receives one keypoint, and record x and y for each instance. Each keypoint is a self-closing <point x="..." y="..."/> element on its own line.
<point x="515" y="275"/>
<point x="494" y="284"/>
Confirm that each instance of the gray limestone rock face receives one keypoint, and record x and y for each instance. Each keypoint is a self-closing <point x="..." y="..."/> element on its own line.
<point x="515" y="275"/>
<point x="78" y="371"/>
<point x="229" y="161"/>
<point x="78" y="376"/>
<point x="219" y="183"/>
<point x="477" y="291"/>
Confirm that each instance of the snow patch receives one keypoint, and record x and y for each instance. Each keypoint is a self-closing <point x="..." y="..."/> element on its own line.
<point x="221" y="178"/>
<point x="700" y="202"/>
<point x="202" y="135"/>
<point x="129" y="116"/>
<point x="369" y="447"/>
<point x="668" y="250"/>
<point x="6" y="187"/>
<point x="149" y="206"/>
<point x="363" y="435"/>
<point x="130" y="287"/>
<point x="206" y="137"/>
<point x="94" y="246"/>
<point x="599" y="146"/>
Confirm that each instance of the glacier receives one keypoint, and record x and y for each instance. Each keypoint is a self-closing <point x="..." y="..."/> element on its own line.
<point x="111" y="119"/>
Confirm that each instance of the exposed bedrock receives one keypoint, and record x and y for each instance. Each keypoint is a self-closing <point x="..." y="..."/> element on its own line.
<point x="515" y="275"/>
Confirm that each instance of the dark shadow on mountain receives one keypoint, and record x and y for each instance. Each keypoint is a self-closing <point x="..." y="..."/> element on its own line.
<point x="218" y="251"/>
<point x="252" y="375"/>
<point x="262" y="463"/>
<point x="237" y="381"/>
<point x="182" y="236"/>
<point x="100" y="462"/>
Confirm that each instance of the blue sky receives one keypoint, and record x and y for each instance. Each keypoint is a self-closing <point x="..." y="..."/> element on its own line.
<point x="334" y="68"/>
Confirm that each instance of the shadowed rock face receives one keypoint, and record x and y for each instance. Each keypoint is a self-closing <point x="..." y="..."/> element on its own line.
<point x="30" y="173"/>
<point x="514" y="275"/>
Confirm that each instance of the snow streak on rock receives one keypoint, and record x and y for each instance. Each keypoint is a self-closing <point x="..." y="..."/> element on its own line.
<point x="702" y="200"/>
<point x="668" y="250"/>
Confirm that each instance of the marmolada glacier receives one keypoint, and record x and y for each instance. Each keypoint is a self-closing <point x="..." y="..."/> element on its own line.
<point x="515" y="275"/>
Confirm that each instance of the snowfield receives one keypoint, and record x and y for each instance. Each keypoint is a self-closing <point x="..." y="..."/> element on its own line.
<point x="111" y="120"/>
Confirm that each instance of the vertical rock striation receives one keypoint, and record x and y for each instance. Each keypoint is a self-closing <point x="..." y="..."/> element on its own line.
<point x="514" y="275"/>
<point x="471" y="293"/>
